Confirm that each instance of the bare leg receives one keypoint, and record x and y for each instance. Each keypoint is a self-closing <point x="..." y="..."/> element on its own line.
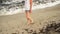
<point x="29" y="19"/>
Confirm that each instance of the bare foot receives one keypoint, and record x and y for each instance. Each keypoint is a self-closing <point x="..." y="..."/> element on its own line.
<point x="30" y="21"/>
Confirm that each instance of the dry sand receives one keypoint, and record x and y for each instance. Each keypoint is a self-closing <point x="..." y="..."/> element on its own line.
<point x="17" y="24"/>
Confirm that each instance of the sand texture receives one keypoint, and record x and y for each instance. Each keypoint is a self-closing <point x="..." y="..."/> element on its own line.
<point x="17" y="24"/>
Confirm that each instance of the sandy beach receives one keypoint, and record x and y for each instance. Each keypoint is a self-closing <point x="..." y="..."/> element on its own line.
<point x="17" y="24"/>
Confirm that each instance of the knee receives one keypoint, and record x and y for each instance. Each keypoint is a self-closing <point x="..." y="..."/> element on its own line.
<point x="28" y="18"/>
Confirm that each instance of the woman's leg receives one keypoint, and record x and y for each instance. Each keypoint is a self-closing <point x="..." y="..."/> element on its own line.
<point x="29" y="19"/>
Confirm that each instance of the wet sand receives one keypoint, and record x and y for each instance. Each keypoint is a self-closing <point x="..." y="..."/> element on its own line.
<point x="17" y="24"/>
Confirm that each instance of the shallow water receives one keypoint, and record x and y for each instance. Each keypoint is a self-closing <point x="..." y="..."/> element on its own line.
<point x="10" y="8"/>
